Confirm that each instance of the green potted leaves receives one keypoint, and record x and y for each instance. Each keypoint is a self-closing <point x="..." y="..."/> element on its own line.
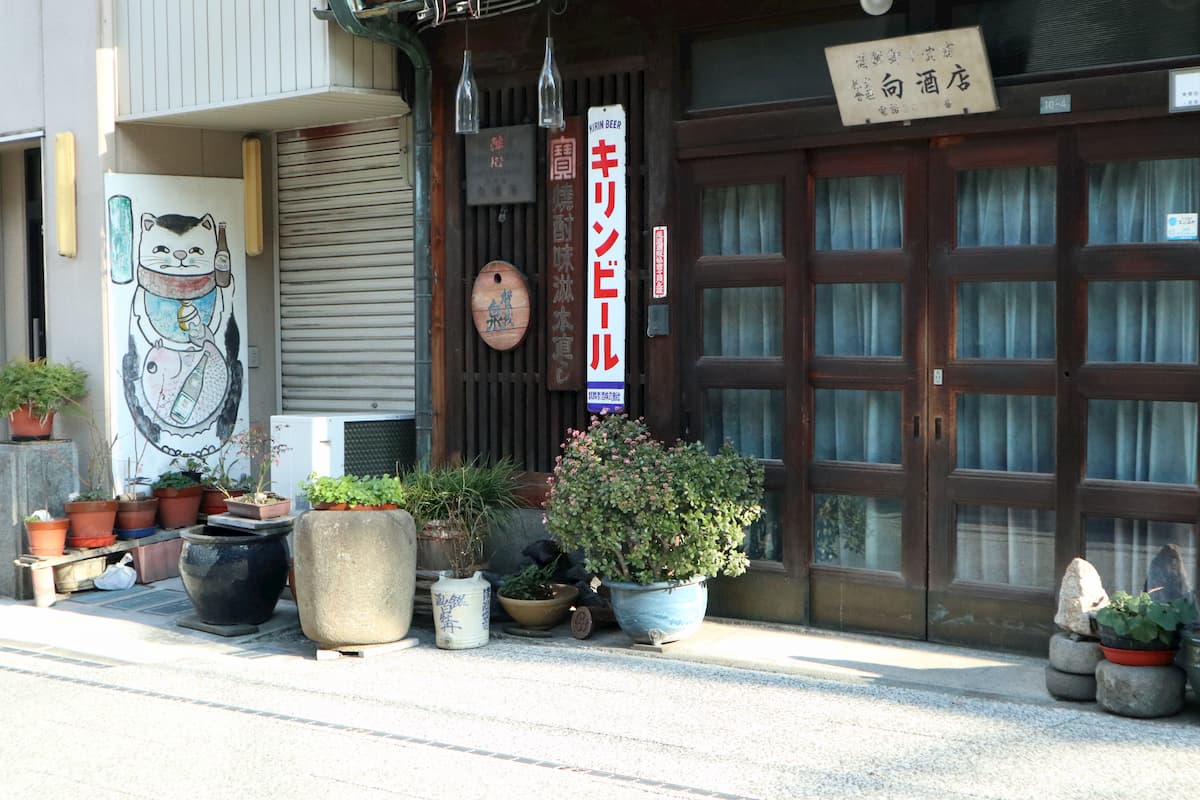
<point x="532" y="598"/>
<point x="31" y="392"/>
<point x="1137" y="630"/>
<point x="349" y="492"/>
<point x="654" y="521"/>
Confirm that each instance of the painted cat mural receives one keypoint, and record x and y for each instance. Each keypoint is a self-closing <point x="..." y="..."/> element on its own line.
<point x="181" y="372"/>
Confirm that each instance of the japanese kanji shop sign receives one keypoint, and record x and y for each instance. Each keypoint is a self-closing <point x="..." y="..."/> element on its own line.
<point x="501" y="165"/>
<point x="606" y="258"/>
<point x="500" y="305"/>
<point x="912" y="77"/>
<point x="564" y="309"/>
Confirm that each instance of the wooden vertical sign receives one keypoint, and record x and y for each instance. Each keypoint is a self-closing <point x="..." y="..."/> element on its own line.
<point x="565" y="245"/>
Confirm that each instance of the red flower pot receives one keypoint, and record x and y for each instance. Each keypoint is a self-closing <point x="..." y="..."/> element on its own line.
<point x="329" y="506"/>
<point x="213" y="501"/>
<point x="136" y="514"/>
<point x="27" y="427"/>
<point x="92" y="519"/>
<point x="1138" y="658"/>
<point x="178" y="508"/>
<point x="47" y="538"/>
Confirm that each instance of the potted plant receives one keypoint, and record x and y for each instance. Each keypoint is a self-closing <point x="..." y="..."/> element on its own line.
<point x="328" y="493"/>
<point x="178" y="499"/>
<point x="93" y="512"/>
<point x="258" y="502"/>
<point x="219" y="484"/>
<point x="47" y="535"/>
<point x="654" y="521"/>
<point x="355" y="561"/>
<point x="1137" y="630"/>
<point x="454" y="507"/>
<point x="533" y="599"/>
<point x="31" y="392"/>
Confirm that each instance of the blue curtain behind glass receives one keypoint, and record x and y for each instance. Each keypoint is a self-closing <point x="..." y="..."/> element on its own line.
<point x="1140" y="321"/>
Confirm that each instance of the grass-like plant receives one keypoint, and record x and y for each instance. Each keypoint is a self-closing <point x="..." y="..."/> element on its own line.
<point x="468" y="497"/>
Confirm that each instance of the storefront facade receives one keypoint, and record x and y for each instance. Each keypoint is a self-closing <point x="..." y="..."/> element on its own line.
<point x="965" y="348"/>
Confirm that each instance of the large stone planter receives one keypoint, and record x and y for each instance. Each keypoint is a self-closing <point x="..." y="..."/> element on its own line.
<point x="234" y="579"/>
<point x="355" y="575"/>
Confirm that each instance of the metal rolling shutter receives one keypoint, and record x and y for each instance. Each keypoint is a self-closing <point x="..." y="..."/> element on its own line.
<point x="346" y="269"/>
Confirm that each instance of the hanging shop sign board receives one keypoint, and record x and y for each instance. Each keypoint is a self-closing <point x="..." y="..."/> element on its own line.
<point x="500" y="305"/>
<point x="606" y="162"/>
<point x="912" y="77"/>
<point x="501" y="164"/>
<point x="564" y="309"/>
<point x="660" y="262"/>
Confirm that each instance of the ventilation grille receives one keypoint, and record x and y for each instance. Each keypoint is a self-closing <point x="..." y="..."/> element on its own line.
<point x="379" y="447"/>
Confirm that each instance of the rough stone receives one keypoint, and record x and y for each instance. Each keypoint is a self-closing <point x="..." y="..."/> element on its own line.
<point x="33" y="475"/>
<point x="355" y="576"/>
<point x="1074" y="655"/>
<point x="1167" y="575"/>
<point x="1079" y="596"/>
<point x="1144" y="692"/>
<point x="1069" y="686"/>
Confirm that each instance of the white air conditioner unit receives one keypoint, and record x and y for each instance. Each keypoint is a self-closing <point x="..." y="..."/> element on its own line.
<point x="359" y="444"/>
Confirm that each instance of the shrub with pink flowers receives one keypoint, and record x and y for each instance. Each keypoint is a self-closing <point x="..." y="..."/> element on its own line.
<point x="645" y="512"/>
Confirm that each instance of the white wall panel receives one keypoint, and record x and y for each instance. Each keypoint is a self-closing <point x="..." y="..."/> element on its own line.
<point x="174" y="55"/>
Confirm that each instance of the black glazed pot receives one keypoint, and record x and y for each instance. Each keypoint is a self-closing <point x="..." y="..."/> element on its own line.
<point x="234" y="579"/>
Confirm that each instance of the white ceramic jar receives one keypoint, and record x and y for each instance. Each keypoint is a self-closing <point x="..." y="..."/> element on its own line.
<point x="462" y="609"/>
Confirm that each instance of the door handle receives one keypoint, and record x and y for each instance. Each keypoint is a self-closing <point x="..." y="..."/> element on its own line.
<point x="937" y="428"/>
<point x="917" y="427"/>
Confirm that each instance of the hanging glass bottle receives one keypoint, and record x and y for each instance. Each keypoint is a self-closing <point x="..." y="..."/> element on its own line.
<point x="466" y="108"/>
<point x="550" y="91"/>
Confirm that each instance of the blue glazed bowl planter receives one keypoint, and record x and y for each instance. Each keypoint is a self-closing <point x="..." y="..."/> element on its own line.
<point x="658" y="613"/>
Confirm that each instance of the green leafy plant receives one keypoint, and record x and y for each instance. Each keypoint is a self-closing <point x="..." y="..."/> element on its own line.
<point x="44" y="386"/>
<point x="1144" y="619"/>
<point x="531" y="583"/>
<point x="468" y="497"/>
<point x="327" y="489"/>
<point x="646" y="512"/>
<point x="174" y="479"/>
<point x="384" y="490"/>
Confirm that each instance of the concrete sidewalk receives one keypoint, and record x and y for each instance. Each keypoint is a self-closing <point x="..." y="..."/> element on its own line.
<point x="138" y="626"/>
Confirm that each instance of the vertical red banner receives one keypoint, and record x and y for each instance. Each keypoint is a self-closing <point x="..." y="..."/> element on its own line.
<point x="565" y="245"/>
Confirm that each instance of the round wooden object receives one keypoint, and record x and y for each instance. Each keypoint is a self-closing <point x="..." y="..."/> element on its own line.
<point x="500" y="305"/>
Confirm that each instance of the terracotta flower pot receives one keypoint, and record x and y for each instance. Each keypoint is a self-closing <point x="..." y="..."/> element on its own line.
<point x="329" y="506"/>
<point x="213" y="501"/>
<point x="27" y="427"/>
<point x="277" y="508"/>
<point x="178" y="508"/>
<point x="91" y="519"/>
<point x="1138" y="658"/>
<point x="47" y="538"/>
<point x="136" y="514"/>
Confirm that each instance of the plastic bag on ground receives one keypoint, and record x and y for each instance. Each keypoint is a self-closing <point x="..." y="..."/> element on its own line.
<point x="118" y="576"/>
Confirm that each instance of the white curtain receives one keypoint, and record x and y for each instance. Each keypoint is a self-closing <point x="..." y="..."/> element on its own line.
<point x="1144" y="322"/>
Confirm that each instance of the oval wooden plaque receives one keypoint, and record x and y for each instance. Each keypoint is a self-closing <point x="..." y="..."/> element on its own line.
<point x="500" y="305"/>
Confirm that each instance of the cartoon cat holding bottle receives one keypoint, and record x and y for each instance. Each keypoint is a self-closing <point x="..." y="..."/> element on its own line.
<point x="189" y="377"/>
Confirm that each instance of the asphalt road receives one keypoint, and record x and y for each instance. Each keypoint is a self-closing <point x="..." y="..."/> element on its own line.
<point x="517" y="719"/>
